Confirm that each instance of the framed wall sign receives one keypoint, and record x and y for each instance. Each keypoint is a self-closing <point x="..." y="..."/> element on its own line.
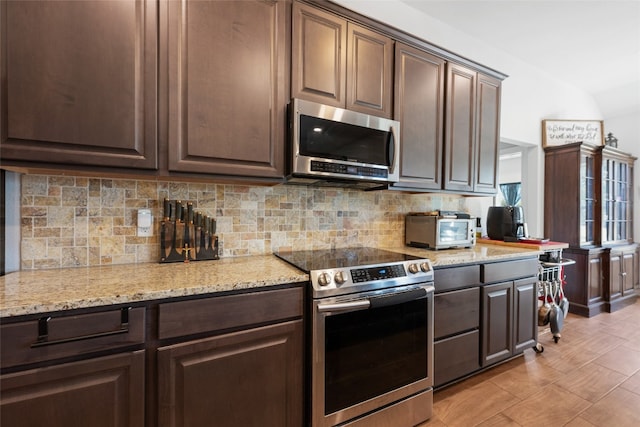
<point x="560" y="132"/>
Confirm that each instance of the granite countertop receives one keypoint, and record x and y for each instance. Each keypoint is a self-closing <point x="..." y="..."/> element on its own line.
<point x="41" y="291"/>
<point x="480" y="253"/>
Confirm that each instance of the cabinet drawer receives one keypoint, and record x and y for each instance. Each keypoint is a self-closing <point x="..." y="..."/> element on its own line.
<point x="447" y="279"/>
<point x="54" y="337"/>
<point x="456" y="357"/>
<point x="218" y="313"/>
<point x="456" y="311"/>
<point x="510" y="270"/>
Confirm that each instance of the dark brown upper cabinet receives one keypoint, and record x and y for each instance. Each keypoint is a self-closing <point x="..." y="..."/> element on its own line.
<point x="419" y="106"/>
<point x="79" y="83"/>
<point x="472" y="131"/>
<point x="226" y="86"/>
<point x="339" y="63"/>
<point x="487" y="137"/>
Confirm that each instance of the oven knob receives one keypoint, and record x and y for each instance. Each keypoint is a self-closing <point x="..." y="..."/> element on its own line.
<point x="413" y="268"/>
<point x="339" y="278"/>
<point x="324" y="279"/>
<point x="425" y="267"/>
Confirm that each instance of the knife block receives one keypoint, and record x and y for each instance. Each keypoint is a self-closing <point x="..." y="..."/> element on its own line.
<point x="178" y="245"/>
<point x="186" y="235"/>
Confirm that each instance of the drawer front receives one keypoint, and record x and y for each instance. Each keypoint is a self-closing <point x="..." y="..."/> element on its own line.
<point x="509" y="270"/>
<point x="456" y="311"/>
<point x="233" y="311"/>
<point x="456" y="357"/>
<point x="447" y="279"/>
<point x="54" y="337"/>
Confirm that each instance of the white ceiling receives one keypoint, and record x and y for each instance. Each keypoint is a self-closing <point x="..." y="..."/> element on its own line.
<point x="592" y="44"/>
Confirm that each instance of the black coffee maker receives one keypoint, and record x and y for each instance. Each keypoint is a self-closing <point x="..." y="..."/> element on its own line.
<point x="505" y="223"/>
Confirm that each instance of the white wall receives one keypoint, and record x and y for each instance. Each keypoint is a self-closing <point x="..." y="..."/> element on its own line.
<point x="529" y="96"/>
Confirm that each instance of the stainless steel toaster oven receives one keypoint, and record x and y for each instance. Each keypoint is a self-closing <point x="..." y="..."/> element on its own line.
<point x="440" y="231"/>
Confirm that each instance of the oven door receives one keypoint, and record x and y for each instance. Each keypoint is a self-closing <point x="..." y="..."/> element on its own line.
<point x="369" y="351"/>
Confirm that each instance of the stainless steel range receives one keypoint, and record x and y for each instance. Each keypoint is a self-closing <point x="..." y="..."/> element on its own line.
<point x="370" y="336"/>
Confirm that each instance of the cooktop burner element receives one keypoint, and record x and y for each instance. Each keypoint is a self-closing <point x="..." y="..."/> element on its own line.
<point x="349" y="270"/>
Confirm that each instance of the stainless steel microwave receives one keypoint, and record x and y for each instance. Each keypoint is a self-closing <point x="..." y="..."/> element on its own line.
<point x="439" y="232"/>
<point x="334" y="145"/>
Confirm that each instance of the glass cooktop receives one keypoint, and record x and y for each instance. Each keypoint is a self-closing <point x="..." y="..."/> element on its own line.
<point x="322" y="259"/>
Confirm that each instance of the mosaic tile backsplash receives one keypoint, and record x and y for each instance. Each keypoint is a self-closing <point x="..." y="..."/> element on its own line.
<point x="69" y="221"/>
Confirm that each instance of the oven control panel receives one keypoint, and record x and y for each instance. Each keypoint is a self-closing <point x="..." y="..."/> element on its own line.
<point x="359" y="275"/>
<point x="347" y="280"/>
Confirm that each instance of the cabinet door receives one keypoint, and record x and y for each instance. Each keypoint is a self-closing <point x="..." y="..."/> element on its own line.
<point x="318" y="57"/>
<point x="525" y="319"/>
<point x="615" y="276"/>
<point x="419" y="106"/>
<point x="459" y="134"/>
<point x="226" y="86"/>
<point x="81" y="90"/>
<point x="246" y="378"/>
<point x="102" y="392"/>
<point x="497" y="322"/>
<point x="617" y="197"/>
<point x="487" y="135"/>
<point x="369" y="71"/>
<point x="627" y="261"/>
<point x="636" y="269"/>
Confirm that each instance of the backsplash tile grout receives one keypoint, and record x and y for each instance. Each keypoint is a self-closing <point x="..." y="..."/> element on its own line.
<point x="69" y="221"/>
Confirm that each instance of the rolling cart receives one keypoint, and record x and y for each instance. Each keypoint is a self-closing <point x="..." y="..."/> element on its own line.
<point x="553" y="305"/>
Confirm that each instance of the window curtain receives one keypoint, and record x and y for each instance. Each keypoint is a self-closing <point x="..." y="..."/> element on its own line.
<point x="511" y="193"/>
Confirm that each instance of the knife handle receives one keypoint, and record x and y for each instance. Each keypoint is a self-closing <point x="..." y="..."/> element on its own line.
<point x="190" y="213"/>
<point x="166" y="209"/>
<point x="178" y="217"/>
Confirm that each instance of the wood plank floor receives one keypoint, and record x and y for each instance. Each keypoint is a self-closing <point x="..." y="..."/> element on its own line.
<point x="591" y="377"/>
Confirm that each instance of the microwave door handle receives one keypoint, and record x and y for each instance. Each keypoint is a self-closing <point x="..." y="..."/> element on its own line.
<point x="392" y="149"/>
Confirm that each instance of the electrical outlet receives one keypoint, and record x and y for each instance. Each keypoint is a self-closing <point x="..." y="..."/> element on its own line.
<point x="145" y="223"/>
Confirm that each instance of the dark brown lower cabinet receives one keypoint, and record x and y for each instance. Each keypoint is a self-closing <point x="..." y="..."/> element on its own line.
<point x="525" y="317"/>
<point x="246" y="378"/>
<point x="585" y="280"/>
<point x="508" y="320"/>
<point x="100" y="392"/>
<point x="456" y="334"/>
<point x="497" y="325"/>
<point x="623" y="276"/>
<point x="456" y="357"/>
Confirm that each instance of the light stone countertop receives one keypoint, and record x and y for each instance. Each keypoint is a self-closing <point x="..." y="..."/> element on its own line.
<point x="42" y="291"/>
<point x="480" y="253"/>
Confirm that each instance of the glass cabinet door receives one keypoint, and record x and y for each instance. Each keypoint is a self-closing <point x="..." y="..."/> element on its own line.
<point x="616" y="201"/>
<point x="587" y="200"/>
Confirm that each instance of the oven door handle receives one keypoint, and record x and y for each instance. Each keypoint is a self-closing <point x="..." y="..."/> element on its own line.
<point x="374" y="302"/>
<point x="398" y="298"/>
<point x="345" y="306"/>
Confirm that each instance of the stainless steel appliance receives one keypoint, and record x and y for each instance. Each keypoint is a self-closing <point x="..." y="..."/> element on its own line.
<point x="506" y="223"/>
<point x="440" y="230"/>
<point x="334" y="146"/>
<point x="370" y="337"/>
